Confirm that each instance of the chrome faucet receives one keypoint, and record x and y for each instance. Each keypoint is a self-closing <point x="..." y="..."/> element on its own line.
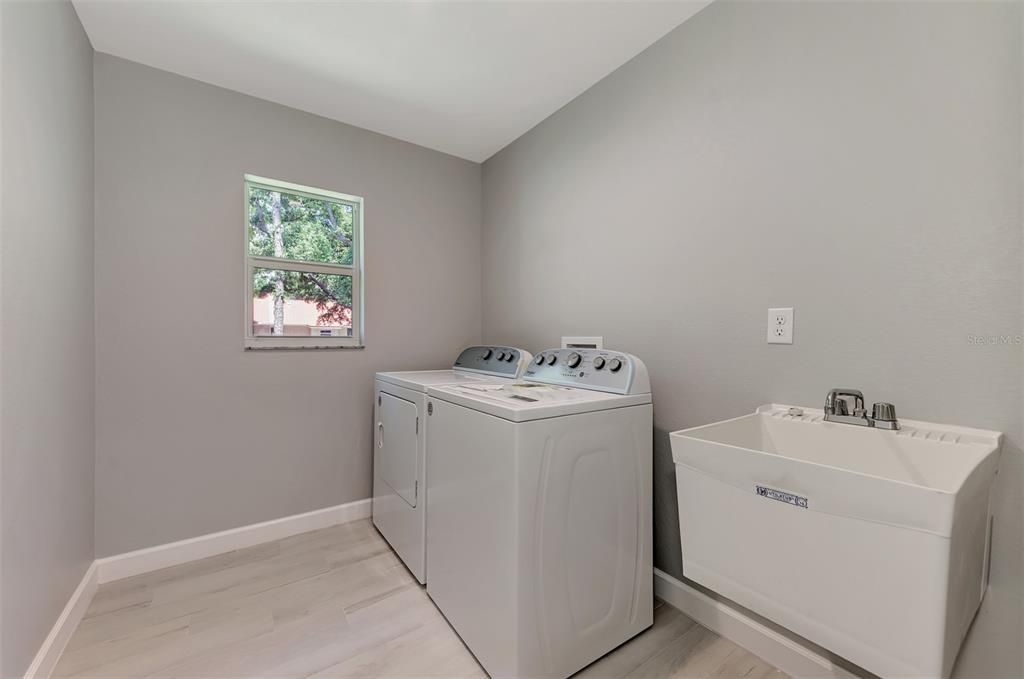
<point x="883" y="415"/>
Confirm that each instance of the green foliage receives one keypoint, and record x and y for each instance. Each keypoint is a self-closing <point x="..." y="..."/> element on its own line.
<point x="313" y="230"/>
<point x="310" y="230"/>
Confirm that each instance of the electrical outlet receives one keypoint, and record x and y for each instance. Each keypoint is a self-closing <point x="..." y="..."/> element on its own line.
<point x="780" y="326"/>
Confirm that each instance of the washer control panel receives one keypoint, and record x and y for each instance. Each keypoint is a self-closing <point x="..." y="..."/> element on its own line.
<point x="498" y="361"/>
<point x="597" y="369"/>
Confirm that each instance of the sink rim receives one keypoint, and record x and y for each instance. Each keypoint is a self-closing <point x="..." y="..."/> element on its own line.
<point x="992" y="440"/>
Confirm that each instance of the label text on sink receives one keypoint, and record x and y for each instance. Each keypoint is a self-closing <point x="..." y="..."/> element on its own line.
<point x="782" y="496"/>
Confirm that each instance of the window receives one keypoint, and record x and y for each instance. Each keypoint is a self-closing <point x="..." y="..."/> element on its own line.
<point x="303" y="266"/>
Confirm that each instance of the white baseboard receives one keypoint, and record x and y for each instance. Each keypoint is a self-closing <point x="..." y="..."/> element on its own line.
<point x="49" y="653"/>
<point x="774" y="647"/>
<point x="174" y="553"/>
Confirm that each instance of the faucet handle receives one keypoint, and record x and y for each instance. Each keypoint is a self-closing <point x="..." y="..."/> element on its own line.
<point x="883" y="412"/>
<point x="835" y="402"/>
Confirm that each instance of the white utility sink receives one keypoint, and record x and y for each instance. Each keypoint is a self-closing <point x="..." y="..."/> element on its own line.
<point x="871" y="543"/>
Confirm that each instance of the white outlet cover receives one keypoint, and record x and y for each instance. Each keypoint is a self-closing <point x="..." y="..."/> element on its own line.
<point x="780" y="325"/>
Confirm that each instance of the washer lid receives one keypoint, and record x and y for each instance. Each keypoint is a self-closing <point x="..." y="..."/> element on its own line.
<point x="420" y="380"/>
<point x="526" y="401"/>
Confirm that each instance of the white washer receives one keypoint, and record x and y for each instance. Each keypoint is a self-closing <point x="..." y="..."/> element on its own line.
<point x="539" y="534"/>
<point x="400" y="448"/>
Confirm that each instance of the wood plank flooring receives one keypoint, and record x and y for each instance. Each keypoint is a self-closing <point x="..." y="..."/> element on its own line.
<point x="331" y="603"/>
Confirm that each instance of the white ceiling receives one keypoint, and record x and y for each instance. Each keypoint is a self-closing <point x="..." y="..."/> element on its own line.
<point x="464" y="77"/>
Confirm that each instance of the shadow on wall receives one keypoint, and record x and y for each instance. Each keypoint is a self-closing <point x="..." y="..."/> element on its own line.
<point x="668" y="554"/>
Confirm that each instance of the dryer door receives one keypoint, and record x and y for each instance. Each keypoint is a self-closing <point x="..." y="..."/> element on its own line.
<point x="395" y="452"/>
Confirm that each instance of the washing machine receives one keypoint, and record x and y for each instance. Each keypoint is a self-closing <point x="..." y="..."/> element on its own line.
<point x="400" y="446"/>
<point x="539" y="534"/>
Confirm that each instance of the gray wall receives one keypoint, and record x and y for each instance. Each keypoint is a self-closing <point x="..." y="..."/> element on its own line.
<point x="46" y="238"/>
<point x="194" y="434"/>
<point x="858" y="161"/>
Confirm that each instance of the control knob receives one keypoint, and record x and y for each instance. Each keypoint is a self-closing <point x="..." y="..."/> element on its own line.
<point x="598" y="363"/>
<point x="614" y="365"/>
<point x="552" y="359"/>
<point x="487" y="354"/>
<point x="501" y="355"/>
<point x="540" y="359"/>
<point x="574" y="359"/>
<point x="509" y="357"/>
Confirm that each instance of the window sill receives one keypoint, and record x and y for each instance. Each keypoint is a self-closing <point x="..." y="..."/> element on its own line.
<point x="301" y="343"/>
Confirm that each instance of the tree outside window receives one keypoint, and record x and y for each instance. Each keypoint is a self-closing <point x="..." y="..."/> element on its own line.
<point x="302" y="265"/>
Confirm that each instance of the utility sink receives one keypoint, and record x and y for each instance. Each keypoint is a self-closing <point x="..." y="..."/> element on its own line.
<point x="872" y="543"/>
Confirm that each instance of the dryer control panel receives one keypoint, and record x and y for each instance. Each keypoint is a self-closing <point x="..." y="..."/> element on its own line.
<point x="497" y="361"/>
<point x="598" y="369"/>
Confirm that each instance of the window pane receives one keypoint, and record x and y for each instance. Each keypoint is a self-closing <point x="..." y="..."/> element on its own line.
<point x="297" y="227"/>
<point x="300" y="304"/>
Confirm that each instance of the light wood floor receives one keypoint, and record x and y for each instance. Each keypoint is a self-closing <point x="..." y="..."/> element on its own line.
<point x="331" y="603"/>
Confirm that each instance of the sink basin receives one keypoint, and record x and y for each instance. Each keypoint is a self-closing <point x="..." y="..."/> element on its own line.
<point x="871" y="543"/>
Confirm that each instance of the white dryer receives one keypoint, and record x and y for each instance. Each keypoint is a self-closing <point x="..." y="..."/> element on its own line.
<point x="400" y="447"/>
<point x="539" y="533"/>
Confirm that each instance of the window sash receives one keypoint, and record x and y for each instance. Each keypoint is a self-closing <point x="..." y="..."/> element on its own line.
<point x="299" y="190"/>
<point x="258" y="262"/>
<point x="300" y="265"/>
